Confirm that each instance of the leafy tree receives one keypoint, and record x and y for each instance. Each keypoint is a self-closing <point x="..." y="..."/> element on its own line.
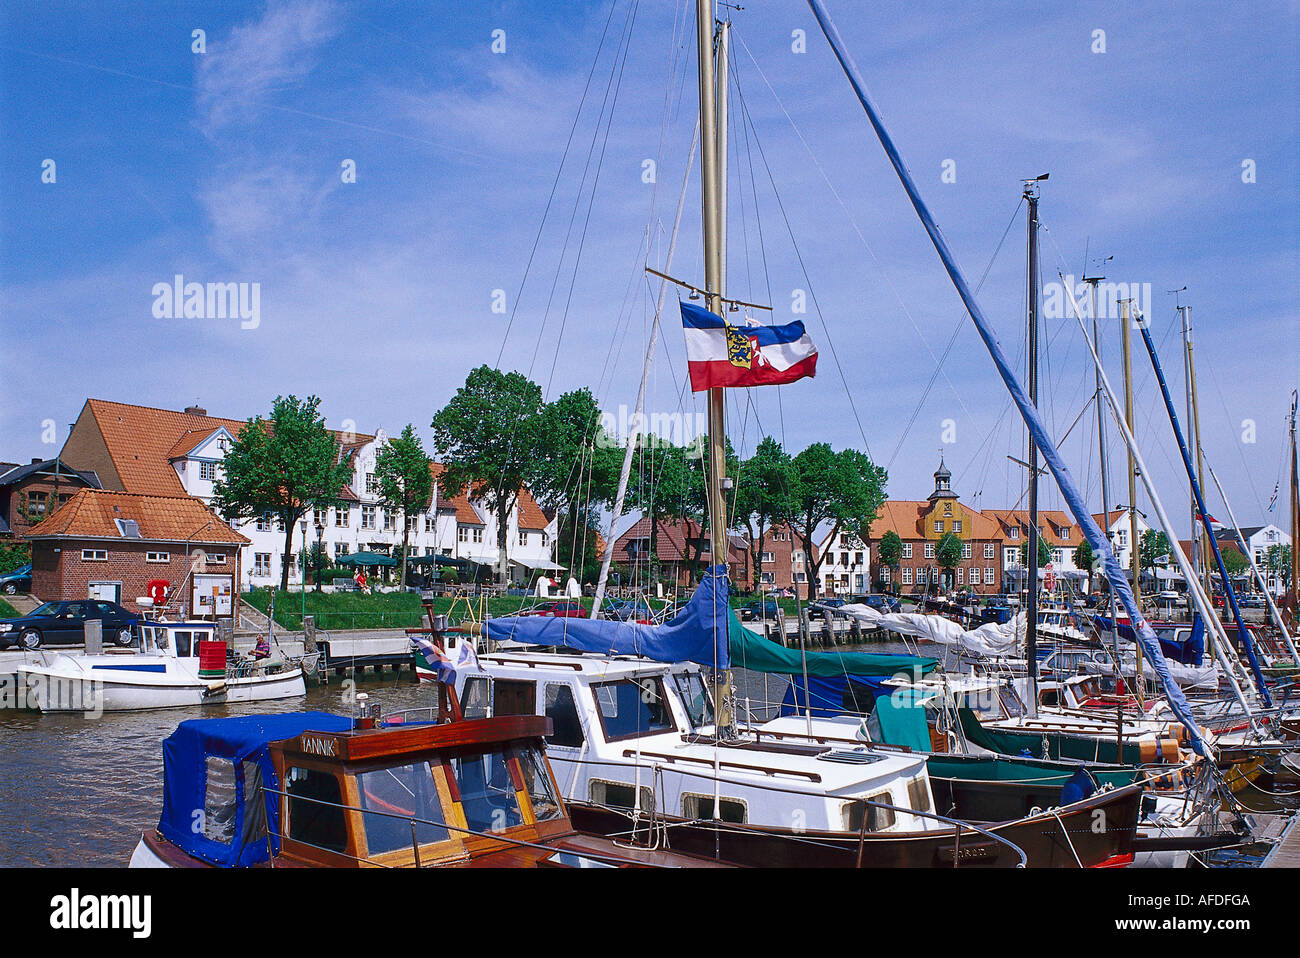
<point x="281" y="466"/>
<point x="490" y="438"/>
<point x="763" y="487"/>
<point x="14" y="555"/>
<point x="1151" y="546"/>
<point x="405" y="481"/>
<point x="1085" y="558"/>
<point x="1277" y="559"/>
<point x="947" y="552"/>
<point x="666" y="484"/>
<point x="889" y="551"/>
<point x="843" y="489"/>
<point x="1044" y="553"/>
<point x="1234" y="562"/>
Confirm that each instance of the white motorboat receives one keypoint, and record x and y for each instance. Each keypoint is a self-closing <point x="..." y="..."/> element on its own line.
<point x="162" y="670"/>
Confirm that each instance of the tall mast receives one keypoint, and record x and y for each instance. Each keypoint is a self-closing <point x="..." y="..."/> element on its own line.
<point x="1092" y="282"/>
<point x="1295" y="523"/>
<point x="1134" y="561"/>
<point x="1031" y="617"/>
<point x="1184" y="315"/>
<point x="1207" y="532"/>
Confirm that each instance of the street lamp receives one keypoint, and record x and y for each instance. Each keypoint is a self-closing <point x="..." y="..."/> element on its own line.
<point x="302" y="526"/>
<point x="320" y="548"/>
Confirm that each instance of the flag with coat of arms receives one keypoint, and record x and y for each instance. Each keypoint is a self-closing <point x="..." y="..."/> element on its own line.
<point x="720" y="355"/>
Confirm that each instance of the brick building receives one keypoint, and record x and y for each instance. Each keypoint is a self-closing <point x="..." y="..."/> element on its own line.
<point x="782" y="563"/>
<point x="683" y="551"/>
<point x="921" y="524"/>
<point x="111" y="545"/>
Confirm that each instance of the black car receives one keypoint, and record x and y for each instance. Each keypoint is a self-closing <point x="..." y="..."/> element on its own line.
<point x="819" y="610"/>
<point x="19" y="580"/>
<point x="759" y="610"/>
<point x="881" y="603"/>
<point x="64" y="623"/>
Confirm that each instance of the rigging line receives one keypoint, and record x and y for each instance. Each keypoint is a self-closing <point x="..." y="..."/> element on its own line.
<point x="961" y="324"/>
<point x="267" y="106"/>
<point x="577" y="202"/>
<point x="556" y="183"/>
<point x="744" y="106"/>
<point x="834" y="192"/>
<point x="595" y="183"/>
<point x="1245" y="467"/>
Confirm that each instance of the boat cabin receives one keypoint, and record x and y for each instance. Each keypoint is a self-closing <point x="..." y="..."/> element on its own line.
<point x="317" y="789"/>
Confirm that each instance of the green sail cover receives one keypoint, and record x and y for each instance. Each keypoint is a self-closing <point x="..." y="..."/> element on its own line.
<point x="757" y="654"/>
<point x="903" y="721"/>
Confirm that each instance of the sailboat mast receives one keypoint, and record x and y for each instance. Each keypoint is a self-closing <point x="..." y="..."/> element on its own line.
<point x="1295" y="523"/>
<point x="712" y="274"/>
<point x="1134" y="560"/>
<point x="1092" y="282"/>
<point x="1031" y="617"/>
<point x="1207" y="532"/>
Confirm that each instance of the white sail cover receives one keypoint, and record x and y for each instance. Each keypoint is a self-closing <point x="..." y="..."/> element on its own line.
<point x="991" y="639"/>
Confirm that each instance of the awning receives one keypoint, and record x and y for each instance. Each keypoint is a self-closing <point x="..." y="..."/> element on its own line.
<point x="543" y="564"/>
<point x="366" y="558"/>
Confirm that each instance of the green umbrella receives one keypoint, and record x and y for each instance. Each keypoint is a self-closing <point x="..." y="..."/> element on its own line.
<point x="366" y="558"/>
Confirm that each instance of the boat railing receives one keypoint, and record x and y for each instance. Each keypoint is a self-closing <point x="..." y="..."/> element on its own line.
<point x="415" y="822"/>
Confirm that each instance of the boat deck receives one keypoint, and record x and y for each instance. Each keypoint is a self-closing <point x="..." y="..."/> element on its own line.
<point x="1286" y="853"/>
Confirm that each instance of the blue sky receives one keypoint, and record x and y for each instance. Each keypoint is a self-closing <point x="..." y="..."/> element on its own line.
<point x="377" y="295"/>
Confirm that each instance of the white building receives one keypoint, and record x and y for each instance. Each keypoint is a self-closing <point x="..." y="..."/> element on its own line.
<point x="1259" y="539"/>
<point x="846" y="565"/>
<point x="164" y="452"/>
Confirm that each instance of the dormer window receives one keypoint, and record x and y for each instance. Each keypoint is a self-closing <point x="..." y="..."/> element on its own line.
<point x="208" y="471"/>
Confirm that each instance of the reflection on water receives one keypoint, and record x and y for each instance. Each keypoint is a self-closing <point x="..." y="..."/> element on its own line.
<point x="79" y="792"/>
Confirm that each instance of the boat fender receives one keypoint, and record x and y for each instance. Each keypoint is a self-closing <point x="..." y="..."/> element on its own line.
<point x="216" y="688"/>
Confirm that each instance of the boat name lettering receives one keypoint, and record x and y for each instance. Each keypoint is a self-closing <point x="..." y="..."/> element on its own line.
<point x="326" y="747"/>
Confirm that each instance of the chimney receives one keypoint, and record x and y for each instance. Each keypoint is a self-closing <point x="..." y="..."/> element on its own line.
<point x="36" y="460"/>
<point x="195" y="411"/>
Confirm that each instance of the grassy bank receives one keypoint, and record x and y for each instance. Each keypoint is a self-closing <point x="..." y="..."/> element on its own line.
<point x="7" y="611"/>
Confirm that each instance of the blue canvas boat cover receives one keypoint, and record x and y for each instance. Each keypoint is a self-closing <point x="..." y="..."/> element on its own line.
<point x="698" y="633"/>
<point x="1190" y="652"/>
<point x="215" y="805"/>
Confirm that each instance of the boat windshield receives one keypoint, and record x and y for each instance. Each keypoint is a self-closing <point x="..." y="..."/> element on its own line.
<point x="393" y="798"/>
<point x="539" y="785"/>
<point x="487" y="791"/>
<point x="633" y="707"/>
<point x="695" y="697"/>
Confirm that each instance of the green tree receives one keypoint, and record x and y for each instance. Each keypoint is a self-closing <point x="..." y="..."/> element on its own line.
<point x="1277" y="559"/>
<point x="665" y="485"/>
<point x="1234" y="562"/>
<point x="318" y="560"/>
<point x="762" y="497"/>
<point x="948" y="554"/>
<point x="843" y="490"/>
<point x="889" y="552"/>
<point x="281" y="466"/>
<point x="490" y="438"/>
<point x="1151" y="546"/>
<point x="1044" y="553"/>
<point x="405" y="481"/>
<point x="1085" y="558"/>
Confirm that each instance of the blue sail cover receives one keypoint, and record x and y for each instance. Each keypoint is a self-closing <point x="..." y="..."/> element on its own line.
<point x="698" y="633"/>
<point x="195" y="817"/>
<point x="1190" y="652"/>
<point x="1033" y="421"/>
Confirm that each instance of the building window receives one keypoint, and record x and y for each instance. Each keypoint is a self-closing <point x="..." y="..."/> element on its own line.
<point x="462" y="533"/>
<point x="264" y="522"/>
<point x="318" y="515"/>
<point x="989" y="550"/>
<point x="961" y="572"/>
<point x="215" y="558"/>
<point x="965" y="550"/>
<point x="261" y="563"/>
<point x="988" y="575"/>
<point x="523" y="538"/>
<point x="340" y="549"/>
<point x="767" y="557"/>
<point x="1065" y="532"/>
<point x="546" y="540"/>
<point x="929" y="550"/>
<point x="478" y="534"/>
<point x="801" y="577"/>
<point x="372" y="487"/>
<point x="208" y="471"/>
<point x="341" y="516"/>
<point x="390" y="519"/>
<point x="956" y="526"/>
<point x="907" y="575"/>
<point x="157" y="557"/>
<point x="938" y="525"/>
<point x="907" y="550"/>
<point x="1013" y="534"/>
<point x="94" y="555"/>
<point x="367" y="517"/>
<point x="429" y="520"/>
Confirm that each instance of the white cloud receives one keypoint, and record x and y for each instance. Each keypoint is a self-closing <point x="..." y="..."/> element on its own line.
<point x="259" y="58"/>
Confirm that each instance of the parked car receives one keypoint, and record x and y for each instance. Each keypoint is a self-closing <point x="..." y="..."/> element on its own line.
<point x="759" y="609"/>
<point x="562" y="609"/>
<point x="833" y="603"/>
<point x="628" y="610"/>
<point x="881" y="603"/>
<point x="1253" y="601"/>
<point x="19" y="580"/>
<point x="64" y="623"/>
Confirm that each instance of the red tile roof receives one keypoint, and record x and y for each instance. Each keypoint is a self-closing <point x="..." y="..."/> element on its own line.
<point x="90" y="513"/>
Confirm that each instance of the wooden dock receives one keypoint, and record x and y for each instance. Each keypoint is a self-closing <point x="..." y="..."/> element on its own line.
<point x="1286" y="853"/>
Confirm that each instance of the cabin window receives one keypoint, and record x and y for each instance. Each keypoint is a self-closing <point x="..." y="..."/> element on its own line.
<point x="391" y="798"/>
<point x="315" y="812"/>
<point x="633" y="707"/>
<point x="538" y="784"/>
<point x="918" y="796"/>
<point x="697" y="807"/>
<point x="877" y="819"/>
<point x="219" y="800"/>
<point x="1011" y="703"/>
<point x="487" y="792"/>
<point x="474" y="701"/>
<point x="695" y="696"/>
<point x="514" y="697"/>
<point x="619" y="795"/>
<point x="184" y="643"/>
<point x="566" y="728"/>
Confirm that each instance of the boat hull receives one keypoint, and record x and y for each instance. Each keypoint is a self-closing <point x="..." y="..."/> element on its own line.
<point x="1065" y="838"/>
<point x="51" y="690"/>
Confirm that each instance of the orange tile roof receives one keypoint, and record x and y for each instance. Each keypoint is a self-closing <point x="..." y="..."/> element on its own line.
<point x="460" y="504"/>
<point x="1050" y="524"/>
<point x="900" y="516"/>
<point x="530" y="513"/>
<point x="90" y="514"/>
<point x="142" y="441"/>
